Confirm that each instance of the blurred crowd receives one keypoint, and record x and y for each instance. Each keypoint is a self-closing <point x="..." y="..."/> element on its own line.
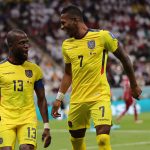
<point x="129" y="20"/>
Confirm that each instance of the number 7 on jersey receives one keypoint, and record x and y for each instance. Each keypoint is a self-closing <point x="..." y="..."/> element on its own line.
<point x="81" y="59"/>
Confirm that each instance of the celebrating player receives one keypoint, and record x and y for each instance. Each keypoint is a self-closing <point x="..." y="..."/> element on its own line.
<point x="85" y="55"/>
<point x="18" y="80"/>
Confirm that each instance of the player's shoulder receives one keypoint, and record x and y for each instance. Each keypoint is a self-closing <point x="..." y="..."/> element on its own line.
<point x="104" y="32"/>
<point x="98" y="32"/>
<point x="31" y="64"/>
<point x="107" y="33"/>
<point x="68" y="41"/>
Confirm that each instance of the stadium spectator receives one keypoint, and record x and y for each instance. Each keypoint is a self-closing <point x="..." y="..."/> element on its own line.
<point x="85" y="54"/>
<point x="129" y="20"/>
<point x="18" y="80"/>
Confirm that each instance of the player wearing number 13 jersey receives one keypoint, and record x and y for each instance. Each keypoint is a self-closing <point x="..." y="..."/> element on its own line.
<point x="17" y="84"/>
<point x="18" y="80"/>
<point x="85" y="55"/>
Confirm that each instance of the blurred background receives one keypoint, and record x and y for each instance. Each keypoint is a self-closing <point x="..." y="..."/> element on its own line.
<point x="129" y="20"/>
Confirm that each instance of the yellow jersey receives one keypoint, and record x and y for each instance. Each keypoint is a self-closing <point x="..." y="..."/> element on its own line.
<point x="88" y="58"/>
<point x="17" y="83"/>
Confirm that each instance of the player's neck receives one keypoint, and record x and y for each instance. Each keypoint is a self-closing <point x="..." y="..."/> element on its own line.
<point x="82" y="31"/>
<point x="15" y="61"/>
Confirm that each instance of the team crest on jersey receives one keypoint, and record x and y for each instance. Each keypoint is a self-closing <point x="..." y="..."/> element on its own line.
<point x="91" y="44"/>
<point x="29" y="73"/>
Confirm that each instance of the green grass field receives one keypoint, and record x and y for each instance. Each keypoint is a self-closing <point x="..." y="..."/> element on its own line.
<point x="130" y="136"/>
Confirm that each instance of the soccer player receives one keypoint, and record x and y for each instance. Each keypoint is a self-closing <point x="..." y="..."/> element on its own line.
<point x="18" y="80"/>
<point x="129" y="100"/>
<point x="85" y="55"/>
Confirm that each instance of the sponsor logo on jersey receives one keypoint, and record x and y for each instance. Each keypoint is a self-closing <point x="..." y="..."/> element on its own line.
<point x="91" y="44"/>
<point x="28" y="73"/>
<point x="8" y="73"/>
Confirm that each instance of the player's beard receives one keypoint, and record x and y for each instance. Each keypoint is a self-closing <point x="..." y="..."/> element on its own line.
<point x="20" y="56"/>
<point x="71" y="32"/>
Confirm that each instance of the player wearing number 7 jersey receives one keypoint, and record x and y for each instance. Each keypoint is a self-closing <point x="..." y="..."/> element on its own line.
<point x="18" y="80"/>
<point x="85" y="55"/>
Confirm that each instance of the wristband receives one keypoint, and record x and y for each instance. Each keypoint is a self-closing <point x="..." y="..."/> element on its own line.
<point x="46" y="125"/>
<point x="60" y="96"/>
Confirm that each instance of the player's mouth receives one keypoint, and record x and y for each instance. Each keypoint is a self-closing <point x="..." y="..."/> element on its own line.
<point x="25" y="54"/>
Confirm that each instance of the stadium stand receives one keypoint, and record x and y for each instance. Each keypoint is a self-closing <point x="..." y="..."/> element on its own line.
<point x="128" y="20"/>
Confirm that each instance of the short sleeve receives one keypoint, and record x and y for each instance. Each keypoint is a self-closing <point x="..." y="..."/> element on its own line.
<point x="65" y="56"/>
<point x="39" y="74"/>
<point x="110" y="41"/>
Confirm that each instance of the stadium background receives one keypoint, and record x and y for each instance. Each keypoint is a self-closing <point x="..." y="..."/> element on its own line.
<point x="129" y="20"/>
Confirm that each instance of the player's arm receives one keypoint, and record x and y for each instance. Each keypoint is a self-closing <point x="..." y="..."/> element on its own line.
<point x="66" y="80"/>
<point x="127" y="65"/>
<point x="42" y="104"/>
<point x="65" y="84"/>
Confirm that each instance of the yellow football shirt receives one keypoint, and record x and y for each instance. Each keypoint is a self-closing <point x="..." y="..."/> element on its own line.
<point x="88" y="58"/>
<point x="17" y="92"/>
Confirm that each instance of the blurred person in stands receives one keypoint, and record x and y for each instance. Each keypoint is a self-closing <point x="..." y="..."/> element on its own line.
<point x="129" y="100"/>
<point x="18" y="80"/>
<point x="85" y="55"/>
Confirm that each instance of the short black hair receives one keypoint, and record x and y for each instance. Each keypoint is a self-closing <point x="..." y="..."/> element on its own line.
<point x="73" y="11"/>
<point x="11" y="36"/>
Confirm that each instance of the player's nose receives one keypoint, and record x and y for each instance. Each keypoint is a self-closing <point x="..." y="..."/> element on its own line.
<point x="26" y="46"/>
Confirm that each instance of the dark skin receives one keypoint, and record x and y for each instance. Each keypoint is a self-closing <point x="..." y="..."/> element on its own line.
<point x="18" y="43"/>
<point x="18" y="49"/>
<point x="75" y="27"/>
<point x="42" y="104"/>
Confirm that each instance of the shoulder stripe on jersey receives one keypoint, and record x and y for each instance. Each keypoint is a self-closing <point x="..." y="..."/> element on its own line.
<point x="3" y="61"/>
